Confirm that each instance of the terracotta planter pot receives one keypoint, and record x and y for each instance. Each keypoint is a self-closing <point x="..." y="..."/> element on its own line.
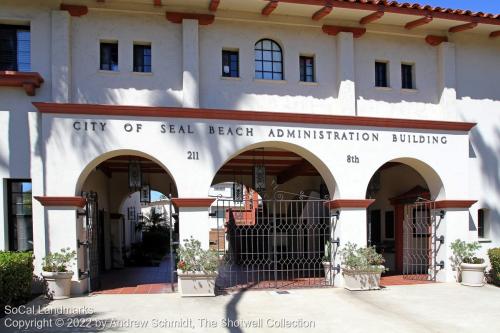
<point x="361" y="280"/>
<point x="473" y="274"/>
<point x="196" y="283"/>
<point x="58" y="284"/>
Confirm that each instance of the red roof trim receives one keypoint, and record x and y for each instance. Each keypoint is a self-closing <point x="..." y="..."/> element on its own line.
<point x="434" y="40"/>
<point x="260" y="116"/>
<point x="269" y="8"/>
<point x="349" y="203"/>
<point x="27" y="80"/>
<point x="442" y="204"/>
<point x="214" y="4"/>
<point x="417" y="23"/>
<point x="62" y="201"/>
<point x="203" y="19"/>
<point x="372" y="17"/>
<point x="334" y="30"/>
<point x="408" y="9"/>
<point x="322" y="13"/>
<point x="192" y="202"/>
<point x="74" y="10"/>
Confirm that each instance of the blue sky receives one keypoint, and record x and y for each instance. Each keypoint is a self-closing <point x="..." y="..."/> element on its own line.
<point x="489" y="6"/>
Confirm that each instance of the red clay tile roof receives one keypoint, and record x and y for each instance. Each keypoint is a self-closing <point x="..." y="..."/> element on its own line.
<point x="436" y="9"/>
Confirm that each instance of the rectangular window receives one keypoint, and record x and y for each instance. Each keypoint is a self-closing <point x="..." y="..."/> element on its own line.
<point x="20" y="216"/>
<point x="230" y="64"/>
<point x="381" y="74"/>
<point x="407" y="76"/>
<point x="306" y="69"/>
<point x="480" y="224"/>
<point x="109" y="56"/>
<point x="142" y="58"/>
<point x="15" y="54"/>
<point x="374" y="227"/>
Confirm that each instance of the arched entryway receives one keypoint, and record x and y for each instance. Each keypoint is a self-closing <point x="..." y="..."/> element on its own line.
<point x="127" y="227"/>
<point x="402" y="221"/>
<point x="269" y="222"/>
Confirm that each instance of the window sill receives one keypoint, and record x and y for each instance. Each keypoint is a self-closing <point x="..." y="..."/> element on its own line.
<point x="27" y="80"/>
<point x="383" y="88"/>
<point x="270" y="81"/>
<point x="484" y="240"/>
<point x="142" y="73"/>
<point x="409" y="90"/>
<point x="231" y="78"/>
<point x="104" y="71"/>
<point x="306" y="83"/>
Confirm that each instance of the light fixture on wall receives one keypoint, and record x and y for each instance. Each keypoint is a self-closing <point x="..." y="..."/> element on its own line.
<point x="145" y="196"/>
<point x="259" y="176"/>
<point x="134" y="175"/>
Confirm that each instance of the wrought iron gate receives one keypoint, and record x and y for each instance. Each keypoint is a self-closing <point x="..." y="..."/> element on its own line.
<point x="276" y="243"/>
<point x="419" y="241"/>
<point x="93" y="245"/>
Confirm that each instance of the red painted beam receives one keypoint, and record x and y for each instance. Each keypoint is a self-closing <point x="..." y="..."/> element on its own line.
<point x="241" y="115"/>
<point x="463" y="27"/>
<point x="214" y="4"/>
<point x="322" y="12"/>
<point x="74" y="10"/>
<point x="157" y="3"/>
<point x="495" y="34"/>
<point x="203" y="19"/>
<point x="434" y="40"/>
<point x="417" y="23"/>
<point x="372" y="17"/>
<point x="334" y="30"/>
<point x="270" y="7"/>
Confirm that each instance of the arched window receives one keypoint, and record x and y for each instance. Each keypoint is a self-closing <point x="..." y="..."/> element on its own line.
<point x="268" y="60"/>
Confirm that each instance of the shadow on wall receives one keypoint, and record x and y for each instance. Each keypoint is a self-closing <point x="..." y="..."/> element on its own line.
<point x="489" y="163"/>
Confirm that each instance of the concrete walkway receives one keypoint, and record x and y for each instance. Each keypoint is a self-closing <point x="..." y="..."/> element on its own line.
<point x="415" y="308"/>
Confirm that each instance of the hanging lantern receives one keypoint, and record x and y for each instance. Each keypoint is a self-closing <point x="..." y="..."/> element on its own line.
<point x="237" y="192"/>
<point x="134" y="175"/>
<point x="259" y="178"/>
<point x="145" y="196"/>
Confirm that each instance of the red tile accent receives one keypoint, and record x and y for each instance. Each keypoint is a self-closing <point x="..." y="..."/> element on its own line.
<point x="241" y="115"/>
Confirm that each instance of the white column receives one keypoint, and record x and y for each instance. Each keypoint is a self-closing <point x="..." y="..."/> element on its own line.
<point x="61" y="56"/>
<point x="194" y="222"/>
<point x="62" y="232"/>
<point x="190" y="64"/>
<point x="37" y="188"/>
<point x="446" y="77"/>
<point x="349" y="227"/>
<point x="4" y="230"/>
<point x="454" y="225"/>
<point x="345" y="73"/>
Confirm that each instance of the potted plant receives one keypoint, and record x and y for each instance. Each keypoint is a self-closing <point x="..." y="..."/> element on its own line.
<point x="470" y="268"/>
<point x="196" y="269"/>
<point x="361" y="267"/>
<point x="327" y="262"/>
<point x="56" y="273"/>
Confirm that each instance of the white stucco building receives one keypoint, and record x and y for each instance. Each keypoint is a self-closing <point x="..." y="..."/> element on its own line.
<point x="362" y="107"/>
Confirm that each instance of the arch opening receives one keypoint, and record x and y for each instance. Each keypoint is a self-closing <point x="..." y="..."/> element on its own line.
<point x="270" y="222"/>
<point x="128" y="224"/>
<point x="400" y="221"/>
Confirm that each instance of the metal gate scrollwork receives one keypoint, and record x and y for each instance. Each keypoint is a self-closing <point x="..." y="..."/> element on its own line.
<point x="272" y="243"/>
<point x="420" y="244"/>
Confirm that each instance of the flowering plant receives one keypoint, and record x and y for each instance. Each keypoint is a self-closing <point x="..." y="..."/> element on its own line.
<point x="192" y="258"/>
<point x="58" y="261"/>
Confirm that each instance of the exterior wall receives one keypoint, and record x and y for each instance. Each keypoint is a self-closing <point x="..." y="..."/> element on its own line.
<point x="247" y="93"/>
<point x="90" y="85"/>
<point x="456" y="81"/>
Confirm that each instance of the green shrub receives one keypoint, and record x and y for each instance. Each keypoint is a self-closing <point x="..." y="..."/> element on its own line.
<point x="156" y="243"/>
<point x="494" y="255"/>
<point x="365" y="259"/>
<point x="16" y="276"/>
